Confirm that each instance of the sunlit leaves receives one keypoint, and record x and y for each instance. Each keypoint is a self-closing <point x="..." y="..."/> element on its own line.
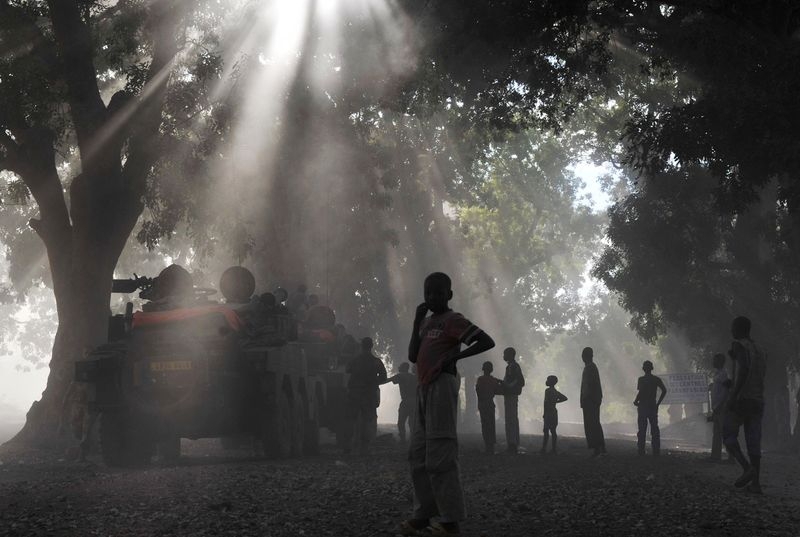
<point x="711" y="135"/>
<point x="16" y="193"/>
<point x="118" y="30"/>
<point x="526" y="216"/>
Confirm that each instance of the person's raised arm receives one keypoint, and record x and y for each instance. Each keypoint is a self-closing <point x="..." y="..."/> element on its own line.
<point x="483" y="342"/>
<point x="413" y="346"/>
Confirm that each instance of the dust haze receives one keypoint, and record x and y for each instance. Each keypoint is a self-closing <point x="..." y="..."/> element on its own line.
<point x="619" y="177"/>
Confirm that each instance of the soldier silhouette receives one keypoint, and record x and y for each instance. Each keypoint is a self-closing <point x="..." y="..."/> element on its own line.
<point x="407" y="383"/>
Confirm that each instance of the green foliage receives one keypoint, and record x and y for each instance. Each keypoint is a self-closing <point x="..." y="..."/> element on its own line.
<point x="664" y="242"/>
<point x="527" y="220"/>
<point x="514" y="57"/>
<point x="709" y="232"/>
<point x="379" y="164"/>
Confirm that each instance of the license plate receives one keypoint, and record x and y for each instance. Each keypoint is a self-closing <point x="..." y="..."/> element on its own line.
<point x="181" y="365"/>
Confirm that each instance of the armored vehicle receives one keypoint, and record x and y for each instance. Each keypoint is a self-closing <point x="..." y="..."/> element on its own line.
<point x="187" y="367"/>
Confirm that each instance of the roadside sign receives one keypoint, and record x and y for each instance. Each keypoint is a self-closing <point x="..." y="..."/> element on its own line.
<point x="685" y="388"/>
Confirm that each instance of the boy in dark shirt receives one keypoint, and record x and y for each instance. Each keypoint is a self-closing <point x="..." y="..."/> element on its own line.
<point x="435" y="348"/>
<point x="487" y="387"/>
<point x="745" y="404"/>
<point x="408" y="387"/>
<point x="551" y="398"/>
<point x="647" y="407"/>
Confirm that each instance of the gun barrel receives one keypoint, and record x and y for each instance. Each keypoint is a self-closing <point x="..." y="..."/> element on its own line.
<point x="125" y="286"/>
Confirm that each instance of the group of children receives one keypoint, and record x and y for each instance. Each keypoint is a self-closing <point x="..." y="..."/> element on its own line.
<point x="436" y="347"/>
<point x="487" y="386"/>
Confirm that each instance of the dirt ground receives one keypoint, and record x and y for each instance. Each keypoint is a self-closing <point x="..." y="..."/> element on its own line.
<point x="214" y="492"/>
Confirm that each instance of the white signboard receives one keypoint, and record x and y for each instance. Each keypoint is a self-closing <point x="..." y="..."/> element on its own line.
<point x="685" y="387"/>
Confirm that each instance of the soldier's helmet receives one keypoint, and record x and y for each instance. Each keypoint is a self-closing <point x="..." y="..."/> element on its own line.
<point x="173" y="281"/>
<point x="237" y="284"/>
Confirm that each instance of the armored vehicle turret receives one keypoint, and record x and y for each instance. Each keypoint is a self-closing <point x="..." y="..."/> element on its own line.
<point x="189" y="367"/>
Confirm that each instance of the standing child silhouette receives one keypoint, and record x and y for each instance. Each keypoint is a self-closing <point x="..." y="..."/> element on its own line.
<point x="435" y="348"/>
<point x="551" y="398"/>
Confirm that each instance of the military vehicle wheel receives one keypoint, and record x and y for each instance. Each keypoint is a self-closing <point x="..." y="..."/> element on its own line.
<point x="277" y="433"/>
<point x="298" y="426"/>
<point x="119" y="442"/>
<point x="311" y="444"/>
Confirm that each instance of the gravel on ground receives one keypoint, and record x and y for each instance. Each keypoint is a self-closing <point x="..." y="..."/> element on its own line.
<point x="214" y="492"/>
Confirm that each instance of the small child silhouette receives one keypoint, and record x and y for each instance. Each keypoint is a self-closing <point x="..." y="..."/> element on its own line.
<point x="551" y="398"/>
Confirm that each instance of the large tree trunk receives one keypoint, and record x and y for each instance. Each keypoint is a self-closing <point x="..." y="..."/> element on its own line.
<point x="82" y="293"/>
<point x="118" y="149"/>
<point x="82" y="252"/>
<point x="47" y="418"/>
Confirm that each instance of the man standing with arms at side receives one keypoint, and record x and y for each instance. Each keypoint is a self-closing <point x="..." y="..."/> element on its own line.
<point x="647" y="408"/>
<point x="435" y="348"/>
<point x="513" y="382"/>
<point x="745" y="404"/>
<point x="591" y="398"/>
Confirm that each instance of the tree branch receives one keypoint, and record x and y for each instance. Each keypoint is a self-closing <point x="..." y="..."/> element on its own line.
<point x="18" y="23"/>
<point x="143" y="144"/>
<point x="33" y="159"/>
<point x="77" y="62"/>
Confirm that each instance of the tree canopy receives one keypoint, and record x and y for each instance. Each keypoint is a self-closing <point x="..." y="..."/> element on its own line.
<point x="357" y="149"/>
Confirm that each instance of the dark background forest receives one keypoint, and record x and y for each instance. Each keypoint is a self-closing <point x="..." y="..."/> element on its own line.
<point x="357" y="146"/>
